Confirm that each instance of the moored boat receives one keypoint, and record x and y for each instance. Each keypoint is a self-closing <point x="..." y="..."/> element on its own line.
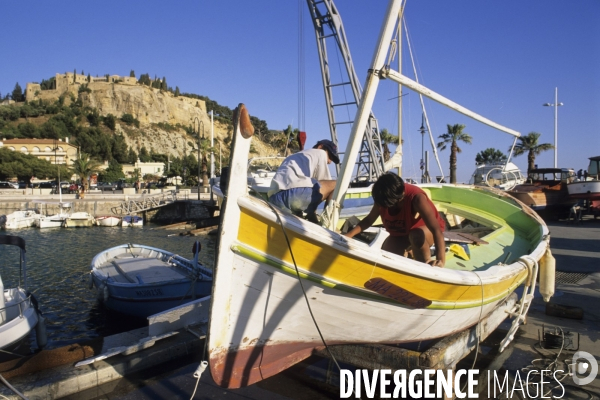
<point x="79" y="219"/>
<point x="107" y="220"/>
<point x="18" y="310"/>
<point x="19" y="219"/>
<point x="132" y="220"/>
<point x="140" y="280"/>
<point x="589" y="187"/>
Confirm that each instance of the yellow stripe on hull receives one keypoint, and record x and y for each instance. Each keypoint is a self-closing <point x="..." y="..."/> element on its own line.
<point x="266" y="237"/>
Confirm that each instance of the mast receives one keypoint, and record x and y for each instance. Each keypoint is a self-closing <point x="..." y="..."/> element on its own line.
<point x="328" y="24"/>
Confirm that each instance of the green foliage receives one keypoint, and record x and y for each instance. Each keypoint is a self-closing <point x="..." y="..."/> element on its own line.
<point x="49" y="84"/>
<point x="144" y="155"/>
<point x="529" y="144"/>
<point x="490" y="156"/>
<point x="17" y="93"/>
<point x="132" y="74"/>
<point x="93" y="117"/>
<point x="24" y="166"/>
<point x="113" y="173"/>
<point x="110" y="121"/>
<point x="84" y="88"/>
<point x="130" y="120"/>
<point x="84" y="166"/>
<point x="454" y="135"/>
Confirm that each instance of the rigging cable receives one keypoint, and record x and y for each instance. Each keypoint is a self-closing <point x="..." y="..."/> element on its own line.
<point x="435" y="153"/>
<point x="302" y="286"/>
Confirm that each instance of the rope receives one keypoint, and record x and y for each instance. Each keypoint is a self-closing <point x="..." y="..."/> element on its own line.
<point x="8" y="385"/>
<point x="302" y="285"/>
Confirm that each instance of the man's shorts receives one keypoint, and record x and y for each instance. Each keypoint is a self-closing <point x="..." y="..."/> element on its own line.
<point x="298" y="200"/>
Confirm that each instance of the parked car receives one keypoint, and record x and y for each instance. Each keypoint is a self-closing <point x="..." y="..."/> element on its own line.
<point x="8" y="185"/>
<point x="121" y="185"/>
<point x="107" y="186"/>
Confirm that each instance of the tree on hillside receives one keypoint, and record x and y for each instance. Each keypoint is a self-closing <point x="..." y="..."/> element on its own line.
<point x="84" y="166"/>
<point x="24" y="166"/>
<point x="131" y="74"/>
<point x="454" y="135"/>
<point x="144" y="155"/>
<point x="490" y="156"/>
<point x="17" y="93"/>
<point x="530" y="144"/>
<point x="177" y="93"/>
<point x="113" y="173"/>
<point x="74" y="75"/>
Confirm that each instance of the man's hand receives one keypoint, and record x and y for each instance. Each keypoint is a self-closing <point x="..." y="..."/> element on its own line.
<point x="436" y="263"/>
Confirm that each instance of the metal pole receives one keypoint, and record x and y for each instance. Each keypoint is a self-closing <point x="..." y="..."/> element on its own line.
<point x="555" y="105"/>
<point x="556" y="127"/>
<point x="212" y="144"/>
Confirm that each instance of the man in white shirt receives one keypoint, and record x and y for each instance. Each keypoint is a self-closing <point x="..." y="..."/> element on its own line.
<point x="303" y="180"/>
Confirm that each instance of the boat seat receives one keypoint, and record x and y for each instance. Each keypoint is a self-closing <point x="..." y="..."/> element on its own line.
<point x="142" y="270"/>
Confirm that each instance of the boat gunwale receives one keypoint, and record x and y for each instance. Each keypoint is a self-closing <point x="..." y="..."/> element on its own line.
<point x="383" y="259"/>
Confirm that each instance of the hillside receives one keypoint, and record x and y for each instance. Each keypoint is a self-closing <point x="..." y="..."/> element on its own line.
<point x="163" y="122"/>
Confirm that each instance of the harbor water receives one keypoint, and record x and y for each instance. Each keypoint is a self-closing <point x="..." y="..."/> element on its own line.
<point x="58" y="266"/>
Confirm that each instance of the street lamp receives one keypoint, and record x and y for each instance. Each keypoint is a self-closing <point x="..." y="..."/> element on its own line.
<point x="555" y="105"/>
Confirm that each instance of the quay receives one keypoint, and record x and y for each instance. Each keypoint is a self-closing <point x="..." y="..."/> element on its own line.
<point x="166" y="369"/>
<point x="157" y="205"/>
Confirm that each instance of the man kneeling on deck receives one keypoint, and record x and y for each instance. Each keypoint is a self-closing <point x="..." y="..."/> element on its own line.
<point x="303" y="180"/>
<point x="410" y="218"/>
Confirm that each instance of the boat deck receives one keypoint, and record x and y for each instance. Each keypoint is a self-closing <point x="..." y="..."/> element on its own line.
<point x="140" y="270"/>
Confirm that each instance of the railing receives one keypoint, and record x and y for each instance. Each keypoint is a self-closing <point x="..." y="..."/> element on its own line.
<point x="144" y="203"/>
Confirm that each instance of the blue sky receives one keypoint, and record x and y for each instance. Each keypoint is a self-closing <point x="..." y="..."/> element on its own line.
<point x="502" y="59"/>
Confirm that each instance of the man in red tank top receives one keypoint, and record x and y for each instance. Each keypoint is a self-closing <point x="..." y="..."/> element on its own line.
<point x="410" y="218"/>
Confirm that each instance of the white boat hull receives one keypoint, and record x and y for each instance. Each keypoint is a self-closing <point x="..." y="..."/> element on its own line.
<point x="54" y="221"/>
<point x="79" y="219"/>
<point x="132" y="220"/>
<point x="141" y="280"/>
<point x="584" y="189"/>
<point x="17" y="319"/>
<point x="21" y="219"/>
<point x="107" y="221"/>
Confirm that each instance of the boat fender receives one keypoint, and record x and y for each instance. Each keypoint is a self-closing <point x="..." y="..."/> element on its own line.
<point x="547" y="275"/>
<point x="105" y="294"/>
<point x="90" y="281"/>
<point x="41" y="336"/>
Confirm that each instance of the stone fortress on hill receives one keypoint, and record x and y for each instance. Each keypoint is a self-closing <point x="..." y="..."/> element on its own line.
<point x="120" y="95"/>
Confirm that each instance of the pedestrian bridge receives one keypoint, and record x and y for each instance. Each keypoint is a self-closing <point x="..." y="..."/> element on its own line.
<point x="144" y="203"/>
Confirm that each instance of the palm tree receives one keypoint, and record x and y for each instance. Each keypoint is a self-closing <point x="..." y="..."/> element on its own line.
<point x="529" y="144"/>
<point x="387" y="139"/>
<point x="84" y="166"/>
<point x="490" y="156"/>
<point x="455" y="134"/>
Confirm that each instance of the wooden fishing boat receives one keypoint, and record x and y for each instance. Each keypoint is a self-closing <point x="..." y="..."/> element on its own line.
<point x="589" y="187"/>
<point x="18" y="309"/>
<point x="270" y="264"/>
<point x="285" y="287"/>
<point x="545" y="191"/>
<point x="140" y="280"/>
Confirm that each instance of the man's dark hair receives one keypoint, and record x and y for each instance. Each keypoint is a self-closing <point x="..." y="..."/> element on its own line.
<point x="388" y="189"/>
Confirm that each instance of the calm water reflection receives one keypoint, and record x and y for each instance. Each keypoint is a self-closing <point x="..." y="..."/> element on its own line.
<point x="58" y="265"/>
